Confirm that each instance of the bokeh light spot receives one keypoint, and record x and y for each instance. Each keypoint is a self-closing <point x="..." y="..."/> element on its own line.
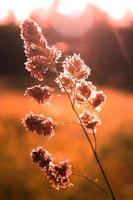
<point x="72" y="8"/>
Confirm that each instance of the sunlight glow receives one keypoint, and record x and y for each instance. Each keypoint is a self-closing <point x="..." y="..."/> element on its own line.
<point x="22" y="9"/>
<point x="116" y="9"/>
<point x="4" y="9"/>
<point x="72" y="8"/>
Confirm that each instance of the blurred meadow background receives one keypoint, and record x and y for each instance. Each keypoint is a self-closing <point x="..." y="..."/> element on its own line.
<point x="102" y="32"/>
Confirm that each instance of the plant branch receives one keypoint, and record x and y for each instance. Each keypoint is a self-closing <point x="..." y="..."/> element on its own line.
<point x="67" y="122"/>
<point x="95" y="141"/>
<point x="95" y="155"/>
<point x="92" y="182"/>
<point x="89" y="140"/>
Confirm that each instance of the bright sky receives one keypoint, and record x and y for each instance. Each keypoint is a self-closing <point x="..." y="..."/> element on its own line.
<point x="21" y="9"/>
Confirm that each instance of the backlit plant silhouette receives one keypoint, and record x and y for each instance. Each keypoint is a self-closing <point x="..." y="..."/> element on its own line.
<point x="83" y="96"/>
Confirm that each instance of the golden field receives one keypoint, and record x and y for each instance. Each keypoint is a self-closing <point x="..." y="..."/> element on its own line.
<point x="21" y="180"/>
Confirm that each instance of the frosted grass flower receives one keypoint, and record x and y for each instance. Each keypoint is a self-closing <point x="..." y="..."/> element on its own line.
<point x="40" y="94"/>
<point x="76" y="67"/>
<point x="90" y="120"/>
<point x="39" y="123"/>
<point x="98" y="98"/>
<point x="84" y="90"/>
<point x="31" y="33"/>
<point x="41" y="157"/>
<point x="40" y="56"/>
<point x="59" y="175"/>
<point x="66" y="80"/>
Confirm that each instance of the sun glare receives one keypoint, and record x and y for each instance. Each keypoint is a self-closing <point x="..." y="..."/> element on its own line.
<point x="116" y="9"/>
<point x="72" y="8"/>
<point x="22" y="9"/>
<point x="4" y="9"/>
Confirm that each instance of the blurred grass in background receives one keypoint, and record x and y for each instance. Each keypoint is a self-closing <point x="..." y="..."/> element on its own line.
<point x="21" y="180"/>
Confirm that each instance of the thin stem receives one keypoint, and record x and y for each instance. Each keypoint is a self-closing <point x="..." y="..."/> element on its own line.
<point x="96" y="156"/>
<point x="95" y="141"/>
<point x="68" y="122"/>
<point x="93" y="183"/>
<point x="89" y="140"/>
<point x="74" y="90"/>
